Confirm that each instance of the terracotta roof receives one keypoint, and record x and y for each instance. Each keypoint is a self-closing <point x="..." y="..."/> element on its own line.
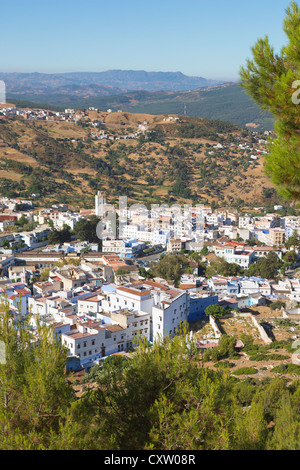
<point x="78" y="335"/>
<point x="22" y="291"/>
<point x="113" y="328"/>
<point x="187" y="286"/>
<point x="134" y="291"/>
<point x="93" y="298"/>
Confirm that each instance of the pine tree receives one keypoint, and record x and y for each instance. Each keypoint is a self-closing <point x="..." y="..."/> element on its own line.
<point x="272" y="81"/>
<point x="293" y="241"/>
<point x="34" y="393"/>
<point x="286" y="435"/>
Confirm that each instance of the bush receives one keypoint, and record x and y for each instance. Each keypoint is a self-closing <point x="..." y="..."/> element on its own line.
<point x="287" y="369"/>
<point x="244" y="391"/>
<point x="246" y="371"/>
<point x="280" y="345"/>
<point x="215" y="311"/>
<point x="284" y="322"/>
<point x="225" y="348"/>
<point x="277" y="305"/>
<point x="224" y="364"/>
<point x="268" y="357"/>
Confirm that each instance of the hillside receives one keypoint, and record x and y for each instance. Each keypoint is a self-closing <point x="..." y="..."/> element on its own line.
<point x="226" y="102"/>
<point x="176" y="160"/>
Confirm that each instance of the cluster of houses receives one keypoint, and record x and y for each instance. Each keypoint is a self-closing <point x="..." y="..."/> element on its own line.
<point x="70" y="115"/>
<point x="99" y="304"/>
<point x="94" y="310"/>
<point x="225" y="233"/>
<point x="97" y="310"/>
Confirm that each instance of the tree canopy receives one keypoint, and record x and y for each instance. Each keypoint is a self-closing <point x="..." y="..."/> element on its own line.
<point x="85" y="230"/>
<point x="160" y="398"/>
<point x="170" y="267"/>
<point x="267" y="267"/>
<point x="273" y="81"/>
<point x="220" y="266"/>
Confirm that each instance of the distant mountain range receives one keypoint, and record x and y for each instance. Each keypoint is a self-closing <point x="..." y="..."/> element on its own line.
<point x="83" y="84"/>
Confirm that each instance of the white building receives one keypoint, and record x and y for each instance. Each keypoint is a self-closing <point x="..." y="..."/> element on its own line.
<point x="214" y="219"/>
<point x="155" y="237"/>
<point x="167" y="306"/>
<point x="235" y="255"/>
<point x="92" y="340"/>
<point x="5" y="263"/>
<point x="124" y="248"/>
<point x="170" y="309"/>
<point x="17" y="295"/>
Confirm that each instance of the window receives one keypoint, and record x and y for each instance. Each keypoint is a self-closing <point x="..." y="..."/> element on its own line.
<point x="84" y="344"/>
<point x="93" y="342"/>
<point x="78" y="346"/>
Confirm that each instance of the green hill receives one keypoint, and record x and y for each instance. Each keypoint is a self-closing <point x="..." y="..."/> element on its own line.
<point x="177" y="161"/>
<point x="226" y="103"/>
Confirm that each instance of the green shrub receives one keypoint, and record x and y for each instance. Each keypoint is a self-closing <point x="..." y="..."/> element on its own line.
<point x="246" y="371"/>
<point x="287" y="369"/>
<point x="277" y="305"/>
<point x="287" y="345"/>
<point x="224" y="364"/>
<point x="268" y="357"/>
<point x="284" y="322"/>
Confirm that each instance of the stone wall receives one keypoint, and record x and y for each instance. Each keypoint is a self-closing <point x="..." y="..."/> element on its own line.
<point x="263" y="334"/>
<point x="215" y="327"/>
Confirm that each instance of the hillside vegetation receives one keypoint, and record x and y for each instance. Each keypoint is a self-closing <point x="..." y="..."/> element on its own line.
<point x="172" y="161"/>
<point x="226" y="102"/>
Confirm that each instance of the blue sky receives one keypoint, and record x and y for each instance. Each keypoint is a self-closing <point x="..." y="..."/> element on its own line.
<point x="210" y="38"/>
